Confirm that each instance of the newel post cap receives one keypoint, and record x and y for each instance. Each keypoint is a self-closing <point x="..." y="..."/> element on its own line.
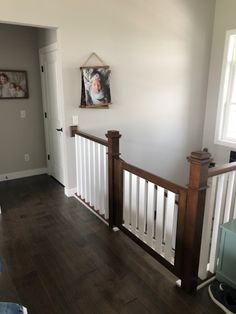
<point x="199" y="157"/>
<point x="113" y="134"/>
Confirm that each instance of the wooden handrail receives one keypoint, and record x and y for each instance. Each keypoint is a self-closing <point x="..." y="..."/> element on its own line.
<point x="212" y="172"/>
<point x="92" y="138"/>
<point x="175" y="188"/>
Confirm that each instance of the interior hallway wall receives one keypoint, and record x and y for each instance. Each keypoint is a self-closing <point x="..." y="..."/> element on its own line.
<point x="159" y="56"/>
<point x="18" y="136"/>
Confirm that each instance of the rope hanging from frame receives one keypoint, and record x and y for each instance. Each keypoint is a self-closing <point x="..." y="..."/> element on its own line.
<point x="93" y="54"/>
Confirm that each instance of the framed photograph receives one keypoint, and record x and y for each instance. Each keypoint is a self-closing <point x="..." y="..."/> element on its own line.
<point x="95" y="92"/>
<point x="13" y="84"/>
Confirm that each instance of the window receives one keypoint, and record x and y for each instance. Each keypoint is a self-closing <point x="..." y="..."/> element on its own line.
<point x="226" y="116"/>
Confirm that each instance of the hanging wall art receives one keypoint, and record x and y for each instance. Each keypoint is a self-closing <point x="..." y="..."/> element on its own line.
<point x="95" y="92"/>
<point x="13" y="84"/>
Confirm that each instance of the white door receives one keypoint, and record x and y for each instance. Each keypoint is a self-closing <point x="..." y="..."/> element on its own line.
<point x="52" y="96"/>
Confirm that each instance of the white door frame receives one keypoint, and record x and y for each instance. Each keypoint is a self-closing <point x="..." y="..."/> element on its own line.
<point x="60" y="97"/>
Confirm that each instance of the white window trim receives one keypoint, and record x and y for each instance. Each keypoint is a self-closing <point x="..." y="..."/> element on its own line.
<point x="219" y="131"/>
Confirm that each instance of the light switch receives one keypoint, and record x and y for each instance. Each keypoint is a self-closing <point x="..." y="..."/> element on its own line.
<point x="23" y="114"/>
<point x="75" y="120"/>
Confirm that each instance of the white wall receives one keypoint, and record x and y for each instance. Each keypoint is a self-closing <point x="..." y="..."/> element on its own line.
<point x="225" y="19"/>
<point x="19" y="51"/>
<point x="159" y="55"/>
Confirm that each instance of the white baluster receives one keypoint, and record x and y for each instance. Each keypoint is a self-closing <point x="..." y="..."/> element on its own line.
<point x="142" y="206"/>
<point x="92" y="197"/>
<point x="229" y="196"/>
<point x="169" y="221"/>
<point x="234" y="213"/>
<point x="96" y="173"/>
<point x="86" y="170"/>
<point x="218" y="217"/>
<point x="102" y="180"/>
<point x="126" y="205"/>
<point x="159" y="219"/>
<point x="99" y="180"/>
<point x="89" y="185"/>
<point x="106" y="194"/>
<point x="150" y="214"/>
<point x="84" y="184"/>
<point x="134" y="202"/>
<point x="77" y="157"/>
<point x="175" y="218"/>
<point x="80" y="174"/>
<point x="207" y="228"/>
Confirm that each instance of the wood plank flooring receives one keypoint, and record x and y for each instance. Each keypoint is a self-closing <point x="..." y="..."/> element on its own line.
<point x="59" y="258"/>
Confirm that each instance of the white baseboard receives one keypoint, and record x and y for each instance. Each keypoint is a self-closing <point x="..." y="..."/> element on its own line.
<point x="22" y="174"/>
<point x="70" y="192"/>
<point x="178" y="283"/>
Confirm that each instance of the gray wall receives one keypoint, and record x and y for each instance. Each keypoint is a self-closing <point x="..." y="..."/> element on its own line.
<point x="46" y="37"/>
<point x="19" y="50"/>
<point x="225" y="19"/>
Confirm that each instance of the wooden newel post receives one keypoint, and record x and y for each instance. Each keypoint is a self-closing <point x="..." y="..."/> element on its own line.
<point x="199" y="164"/>
<point x="113" y="154"/>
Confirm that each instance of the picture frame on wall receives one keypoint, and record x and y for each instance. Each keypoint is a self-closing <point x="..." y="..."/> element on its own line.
<point x="95" y="92"/>
<point x="13" y="84"/>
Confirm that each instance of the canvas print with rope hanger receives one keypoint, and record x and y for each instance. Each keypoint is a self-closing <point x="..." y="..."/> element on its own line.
<point x="95" y="87"/>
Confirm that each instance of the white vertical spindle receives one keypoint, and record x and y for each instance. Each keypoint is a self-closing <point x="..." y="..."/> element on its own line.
<point x="89" y="172"/>
<point x="169" y="225"/>
<point x="142" y="206"/>
<point x="126" y="207"/>
<point x="234" y="213"/>
<point x="175" y="218"/>
<point x="150" y="213"/>
<point x="229" y="196"/>
<point x="80" y="174"/>
<point x="106" y="194"/>
<point x="134" y="202"/>
<point x="84" y="168"/>
<point x="217" y="221"/>
<point x="92" y="172"/>
<point x="102" y="180"/>
<point x="96" y="173"/>
<point x="77" y="157"/>
<point x="159" y="219"/>
<point x="207" y="227"/>
<point x="99" y="180"/>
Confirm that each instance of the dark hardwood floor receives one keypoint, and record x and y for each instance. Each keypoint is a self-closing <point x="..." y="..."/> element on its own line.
<point x="59" y="258"/>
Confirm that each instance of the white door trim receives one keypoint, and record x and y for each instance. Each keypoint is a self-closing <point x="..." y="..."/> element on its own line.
<point x="60" y="97"/>
<point x="48" y="48"/>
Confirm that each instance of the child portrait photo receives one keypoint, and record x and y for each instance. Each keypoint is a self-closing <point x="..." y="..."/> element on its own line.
<point x="95" y="87"/>
<point x="13" y="84"/>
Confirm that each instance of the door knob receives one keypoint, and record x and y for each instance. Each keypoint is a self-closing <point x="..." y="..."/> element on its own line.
<point x="59" y="130"/>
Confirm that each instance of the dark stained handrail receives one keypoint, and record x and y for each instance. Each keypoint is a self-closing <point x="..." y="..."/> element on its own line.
<point x="212" y="172"/>
<point x="92" y="138"/>
<point x="175" y="188"/>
